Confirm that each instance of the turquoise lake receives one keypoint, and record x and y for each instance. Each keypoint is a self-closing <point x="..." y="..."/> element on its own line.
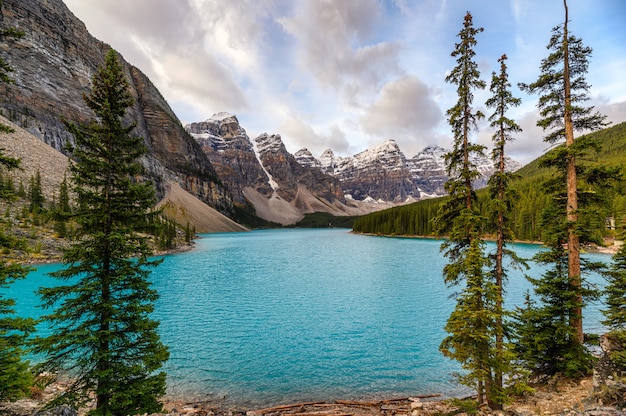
<point x="275" y="316"/>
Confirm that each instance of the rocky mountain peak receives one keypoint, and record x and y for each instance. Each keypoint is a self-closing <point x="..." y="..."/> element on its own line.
<point x="262" y="174"/>
<point x="328" y="162"/>
<point x="384" y="173"/>
<point x="387" y="156"/>
<point x="221" y="132"/>
<point x="306" y="158"/>
<point x="267" y="143"/>
<point x="432" y="151"/>
<point x="230" y="150"/>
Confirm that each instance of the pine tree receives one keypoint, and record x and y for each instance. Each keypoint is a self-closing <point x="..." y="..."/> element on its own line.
<point x="36" y="194"/>
<point x="615" y="292"/>
<point x="546" y="341"/>
<point x="102" y="331"/>
<point x="64" y="210"/>
<point x="15" y="375"/>
<point x="563" y="89"/>
<point x="188" y="233"/>
<point x="64" y="197"/>
<point x="614" y="311"/>
<point x="501" y="200"/>
<point x="469" y="339"/>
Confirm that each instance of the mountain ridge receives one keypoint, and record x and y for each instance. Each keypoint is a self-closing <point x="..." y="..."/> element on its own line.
<point x="531" y="197"/>
<point x="264" y="176"/>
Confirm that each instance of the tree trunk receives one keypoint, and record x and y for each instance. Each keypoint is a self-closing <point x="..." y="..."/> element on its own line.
<point x="573" y="243"/>
<point x="498" y="377"/>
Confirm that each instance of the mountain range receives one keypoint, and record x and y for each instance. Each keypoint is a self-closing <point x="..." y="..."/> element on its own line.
<point x="282" y="186"/>
<point x="214" y="161"/>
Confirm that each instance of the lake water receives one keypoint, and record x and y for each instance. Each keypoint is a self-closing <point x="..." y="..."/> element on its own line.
<point x="274" y="316"/>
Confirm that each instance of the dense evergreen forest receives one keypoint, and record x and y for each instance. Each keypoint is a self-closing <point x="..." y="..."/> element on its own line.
<point x="532" y="197"/>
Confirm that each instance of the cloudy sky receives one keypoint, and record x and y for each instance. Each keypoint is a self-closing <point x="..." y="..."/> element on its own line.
<point x="349" y="74"/>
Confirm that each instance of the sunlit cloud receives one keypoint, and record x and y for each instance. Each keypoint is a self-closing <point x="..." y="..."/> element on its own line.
<point x="404" y="111"/>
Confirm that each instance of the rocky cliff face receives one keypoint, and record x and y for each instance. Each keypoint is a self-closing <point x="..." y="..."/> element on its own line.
<point x="428" y="171"/>
<point x="54" y="63"/>
<point x="230" y="151"/>
<point x="288" y="174"/>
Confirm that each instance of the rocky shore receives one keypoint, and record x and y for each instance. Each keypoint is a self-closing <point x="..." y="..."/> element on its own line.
<point x="560" y="397"/>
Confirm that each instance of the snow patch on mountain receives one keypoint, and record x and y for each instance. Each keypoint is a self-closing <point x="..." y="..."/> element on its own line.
<point x="262" y="144"/>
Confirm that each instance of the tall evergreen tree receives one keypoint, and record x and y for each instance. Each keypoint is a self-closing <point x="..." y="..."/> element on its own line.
<point x="102" y="331"/>
<point x="615" y="292"/>
<point x="63" y="211"/>
<point x="563" y="90"/>
<point x="36" y="194"/>
<point x="615" y="319"/>
<point x="546" y="341"/>
<point x="614" y="311"/>
<point x="500" y="191"/>
<point x="64" y="197"/>
<point x="15" y="375"/>
<point x="468" y="326"/>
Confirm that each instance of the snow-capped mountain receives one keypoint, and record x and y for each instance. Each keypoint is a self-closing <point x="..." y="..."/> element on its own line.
<point x="428" y="171"/>
<point x="385" y="173"/>
<point x="380" y="173"/>
<point x="232" y="154"/>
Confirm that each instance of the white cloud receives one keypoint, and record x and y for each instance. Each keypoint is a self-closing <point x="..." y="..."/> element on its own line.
<point x="404" y="111"/>
<point x="233" y="30"/>
<point x="337" y="45"/>
<point x="297" y="134"/>
<point x="614" y="112"/>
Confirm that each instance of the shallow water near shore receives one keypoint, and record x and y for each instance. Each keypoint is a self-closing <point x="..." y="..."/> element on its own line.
<point x="275" y="316"/>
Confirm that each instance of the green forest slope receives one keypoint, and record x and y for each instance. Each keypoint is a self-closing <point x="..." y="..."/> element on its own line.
<point x="415" y="219"/>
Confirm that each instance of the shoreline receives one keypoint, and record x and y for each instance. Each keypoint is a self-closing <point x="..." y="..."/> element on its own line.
<point x="52" y="259"/>
<point x="559" y="397"/>
<point x="610" y="250"/>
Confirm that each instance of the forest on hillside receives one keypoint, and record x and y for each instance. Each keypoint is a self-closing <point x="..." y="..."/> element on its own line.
<point x="531" y="184"/>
